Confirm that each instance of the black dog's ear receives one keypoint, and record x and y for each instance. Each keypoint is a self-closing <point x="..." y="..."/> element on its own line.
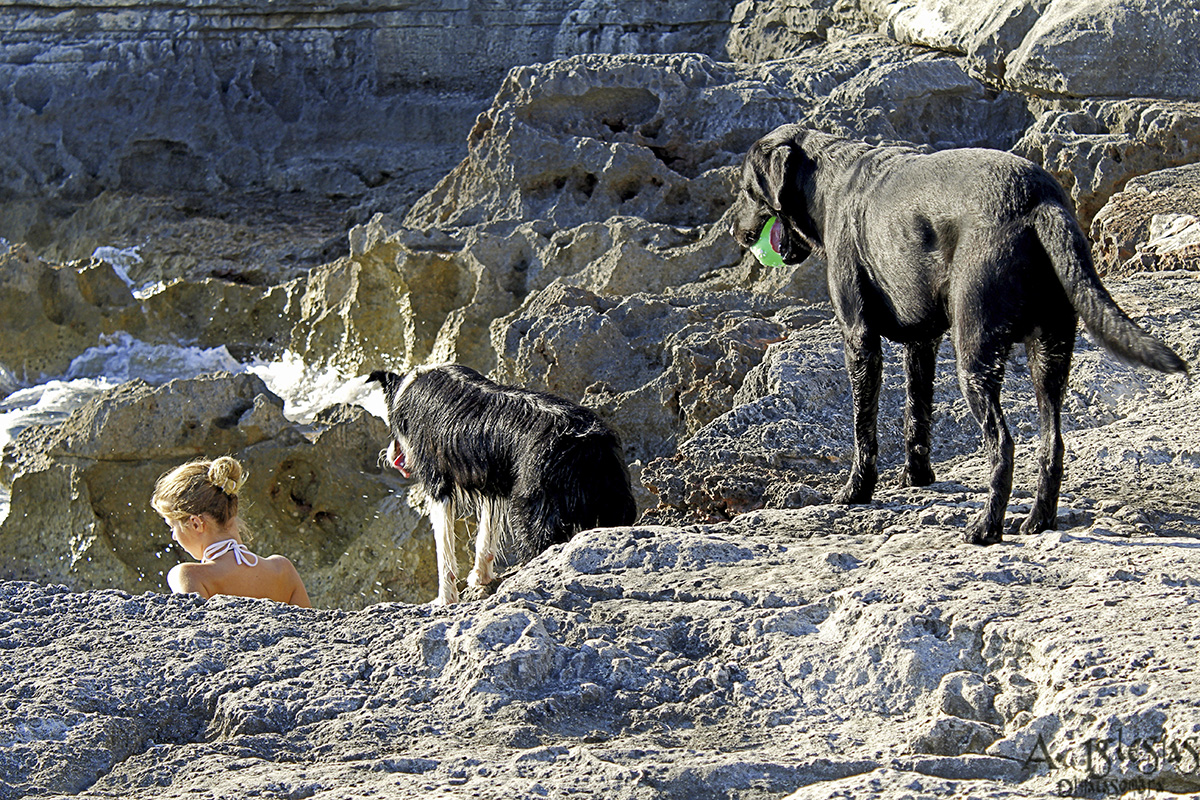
<point x="775" y="181"/>
<point x="772" y="171"/>
<point x="785" y="179"/>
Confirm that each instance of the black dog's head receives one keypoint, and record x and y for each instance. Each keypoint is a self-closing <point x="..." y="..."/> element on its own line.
<point x="398" y="453"/>
<point x="776" y="181"/>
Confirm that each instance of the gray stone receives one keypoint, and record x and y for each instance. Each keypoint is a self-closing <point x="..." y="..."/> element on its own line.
<point x="629" y="653"/>
<point x="1110" y="48"/>
<point x="1096" y="147"/>
<point x="746" y="638"/>
<point x="250" y="239"/>
<point x="683" y="357"/>
<point x="791" y="421"/>
<point x="53" y="312"/>
<point x="765" y="31"/>
<point x="340" y="101"/>
<point x="955" y="736"/>
<point x="1149" y="224"/>
<point x="966" y="695"/>
<point x="1098" y="49"/>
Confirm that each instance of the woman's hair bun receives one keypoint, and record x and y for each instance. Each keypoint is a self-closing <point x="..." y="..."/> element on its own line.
<point x="227" y="475"/>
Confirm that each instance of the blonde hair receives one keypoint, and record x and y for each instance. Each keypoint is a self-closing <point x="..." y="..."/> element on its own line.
<point x="200" y="487"/>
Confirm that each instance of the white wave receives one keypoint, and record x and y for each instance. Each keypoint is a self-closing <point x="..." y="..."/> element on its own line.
<point x="45" y="404"/>
<point x="122" y="260"/>
<point x="307" y="390"/>
<point x="117" y="359"/>
<point x="120" y="357"/>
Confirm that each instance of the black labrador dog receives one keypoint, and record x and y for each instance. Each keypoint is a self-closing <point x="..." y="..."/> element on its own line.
<point x="981" y="243"/>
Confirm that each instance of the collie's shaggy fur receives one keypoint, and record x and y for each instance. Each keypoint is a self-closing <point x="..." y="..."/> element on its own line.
<point x="534" y="468"/>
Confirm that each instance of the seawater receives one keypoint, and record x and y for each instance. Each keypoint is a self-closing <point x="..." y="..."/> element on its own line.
<point x="117" y="359"/>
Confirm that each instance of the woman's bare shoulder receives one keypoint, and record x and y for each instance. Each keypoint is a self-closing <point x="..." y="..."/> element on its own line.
<point x="289" y="581"/>
<point x="280" y="565"/>
<point x="188" y="578"/>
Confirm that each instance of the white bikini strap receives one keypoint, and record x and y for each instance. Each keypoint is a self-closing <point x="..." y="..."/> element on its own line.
<point x="241" y="553"/>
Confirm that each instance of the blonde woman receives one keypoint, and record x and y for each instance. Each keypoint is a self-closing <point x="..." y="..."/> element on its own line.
<point x="199" y="501"/>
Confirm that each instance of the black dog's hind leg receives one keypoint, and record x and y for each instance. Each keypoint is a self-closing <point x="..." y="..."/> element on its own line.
<point x="1049" y="365"/>
<point x="864" y="363"/>
<point x="920" y="359"/>
<point x="981" y="375"/>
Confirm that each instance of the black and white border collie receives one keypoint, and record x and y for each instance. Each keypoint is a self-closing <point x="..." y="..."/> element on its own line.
<point x="535" y="469"/>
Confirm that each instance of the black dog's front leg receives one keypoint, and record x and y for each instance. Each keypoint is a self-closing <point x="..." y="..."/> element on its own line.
<point x="920" y="359"/>
<point x="864" y="363"/>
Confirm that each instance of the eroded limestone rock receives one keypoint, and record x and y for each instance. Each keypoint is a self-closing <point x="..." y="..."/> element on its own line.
<point x="1093" y="149"/>
<point x="788" y="439"/>
<point x="861" y="650"/>
<point x="1150" y="224"/>
<point x="52" y="313"/>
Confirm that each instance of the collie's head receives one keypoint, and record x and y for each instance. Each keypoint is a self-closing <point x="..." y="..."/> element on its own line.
<point x="398" y="453"/>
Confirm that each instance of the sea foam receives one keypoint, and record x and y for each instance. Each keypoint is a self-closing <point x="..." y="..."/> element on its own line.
<point x="121" y="357"/>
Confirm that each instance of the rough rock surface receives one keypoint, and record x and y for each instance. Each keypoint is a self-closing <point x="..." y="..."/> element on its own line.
<point x="52" y="313"/>
<point x="1150" y="224"/>
<point x="682" y="358"/>
<point x="1095" y="148"/>
<point x="1106" y="48"/>
<point x="789" y="440"/>
<point x="821" y="651"/>
<point x="626" y="194"/>
<point x="257" y="239"/>
<point x="334" y="99"/>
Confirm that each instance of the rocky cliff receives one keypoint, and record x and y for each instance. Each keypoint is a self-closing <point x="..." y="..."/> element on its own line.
<point x="539" y="193"/>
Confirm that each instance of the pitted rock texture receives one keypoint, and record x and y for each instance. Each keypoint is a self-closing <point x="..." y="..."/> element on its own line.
<point x="334" y="99"/>
<point x="810" y="651"/>
<point x="330" y="181"/>
<point x="1150" y="224"/>
<point x="789" y="438"/>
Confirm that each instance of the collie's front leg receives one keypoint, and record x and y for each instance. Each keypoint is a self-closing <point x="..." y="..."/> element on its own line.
<point x="441" y="516"/>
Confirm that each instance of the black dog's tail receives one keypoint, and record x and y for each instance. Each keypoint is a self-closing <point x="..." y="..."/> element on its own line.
<point x="1072" y="259"/>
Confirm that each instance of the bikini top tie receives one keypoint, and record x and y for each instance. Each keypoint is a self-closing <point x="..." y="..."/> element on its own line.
<point x="241" y="553"/>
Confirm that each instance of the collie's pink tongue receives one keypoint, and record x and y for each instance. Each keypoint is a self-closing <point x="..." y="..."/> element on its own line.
<point x="399" y="464"/>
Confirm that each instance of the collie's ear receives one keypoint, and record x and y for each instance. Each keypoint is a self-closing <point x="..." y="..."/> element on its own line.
<point x="388" y="380"/>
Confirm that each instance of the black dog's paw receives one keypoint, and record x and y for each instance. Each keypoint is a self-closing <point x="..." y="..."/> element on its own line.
<point x="978" y="532"/>
<point x="1037" y="522"/>
<point x="917" y="475"/>
<point x="858" y="489"/>
<point x="851" y="495"/>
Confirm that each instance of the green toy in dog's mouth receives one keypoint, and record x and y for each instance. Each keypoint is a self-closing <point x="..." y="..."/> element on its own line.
<point x="766" y="249"/>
